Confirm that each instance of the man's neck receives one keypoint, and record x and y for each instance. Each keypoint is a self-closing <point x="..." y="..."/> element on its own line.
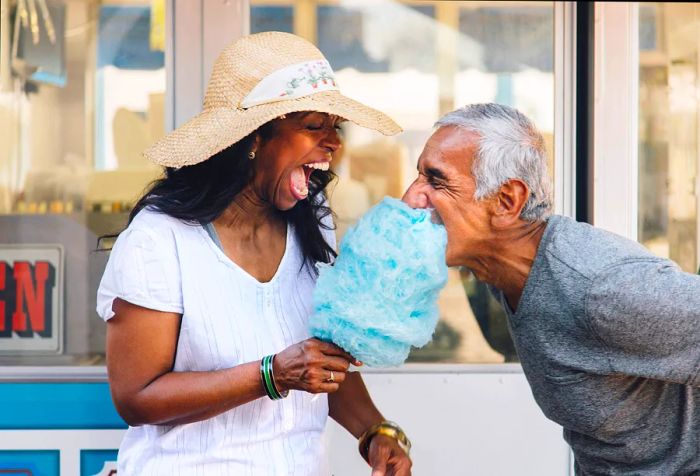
<point x="508" y="260"/>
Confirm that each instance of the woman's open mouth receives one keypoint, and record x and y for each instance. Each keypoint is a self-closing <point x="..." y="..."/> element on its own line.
<point x="299" y="179"/>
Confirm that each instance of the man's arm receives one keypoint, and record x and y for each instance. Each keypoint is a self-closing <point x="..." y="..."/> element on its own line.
<point x="647" y="313"/>
<point x="352" y="407"/>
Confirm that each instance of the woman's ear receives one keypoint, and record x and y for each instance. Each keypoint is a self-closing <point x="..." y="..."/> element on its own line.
<point x="257" y="141"/>
<point x="509" y="202"/>
<point x="255" y="146"/>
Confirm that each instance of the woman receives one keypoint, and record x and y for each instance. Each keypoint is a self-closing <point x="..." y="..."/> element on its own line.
<point x="208" y="291"/>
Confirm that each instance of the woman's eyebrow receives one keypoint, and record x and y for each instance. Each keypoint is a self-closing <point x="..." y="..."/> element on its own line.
<point x="306" y="114"/>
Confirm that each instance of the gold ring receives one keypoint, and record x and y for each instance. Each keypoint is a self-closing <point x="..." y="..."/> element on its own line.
<point x="332" y="377"/>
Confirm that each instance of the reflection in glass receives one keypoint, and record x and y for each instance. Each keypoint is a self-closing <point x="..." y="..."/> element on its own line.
<point x="81" y="95"/>
<point x="417" y="61"/>
<point x="669" y="156"/>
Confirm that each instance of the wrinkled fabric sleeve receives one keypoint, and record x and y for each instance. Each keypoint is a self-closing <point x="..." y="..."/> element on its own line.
<point x="647" y="314"/>
<point x="143" y="269"/>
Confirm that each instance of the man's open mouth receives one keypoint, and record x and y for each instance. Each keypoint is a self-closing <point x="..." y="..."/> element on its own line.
<point x="435" y="216"/>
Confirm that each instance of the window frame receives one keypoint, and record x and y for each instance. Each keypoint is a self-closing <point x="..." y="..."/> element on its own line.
<point x="190" y="52"/>
<point x="565" y="64"/>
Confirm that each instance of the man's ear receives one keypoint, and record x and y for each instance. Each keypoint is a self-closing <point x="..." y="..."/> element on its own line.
<point x="509" y="202"/>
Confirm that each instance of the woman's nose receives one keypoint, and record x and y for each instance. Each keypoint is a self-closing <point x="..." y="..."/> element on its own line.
<point x="415" y="198"/>
<point x="333" y="141"/>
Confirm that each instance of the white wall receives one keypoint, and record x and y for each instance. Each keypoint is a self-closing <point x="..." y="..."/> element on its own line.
<point x="462" y="420"/>
<point x="616" y="117"/>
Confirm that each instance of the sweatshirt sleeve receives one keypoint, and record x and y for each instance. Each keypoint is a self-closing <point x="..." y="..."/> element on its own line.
<point x="647" y="314"/>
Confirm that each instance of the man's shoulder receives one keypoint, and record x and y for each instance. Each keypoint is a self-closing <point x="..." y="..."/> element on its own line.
<point x="585" y="249"/>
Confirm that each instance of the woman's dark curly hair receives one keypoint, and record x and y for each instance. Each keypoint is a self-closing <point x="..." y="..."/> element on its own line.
<point x="199" y="193"/>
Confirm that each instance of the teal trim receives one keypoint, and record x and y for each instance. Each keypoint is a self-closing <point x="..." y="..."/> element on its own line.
<point x="50" y="78"/>
<point x="57" y="406"/>
<point x="30" y="462"/>
<point x="92" y="461"/>
<point x="213" y="234"/>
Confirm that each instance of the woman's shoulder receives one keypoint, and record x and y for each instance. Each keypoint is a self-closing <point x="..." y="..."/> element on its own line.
<point x="144" y="266"/>
<point x="156" y="223"/>
<point x="153" y="230"/>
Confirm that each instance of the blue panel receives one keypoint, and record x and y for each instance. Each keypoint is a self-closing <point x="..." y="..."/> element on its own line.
<point x="31" y="406"/>
<point x="504" y="89"/>
<point x="341" y="39"/>
<point x="513" y="38"/>
<point x="648" y="19"/>
<point x="30" y="462"/>
<point x="123" y="39"/>
<point x="271" y="18"/>
<point x="92" y="461"/>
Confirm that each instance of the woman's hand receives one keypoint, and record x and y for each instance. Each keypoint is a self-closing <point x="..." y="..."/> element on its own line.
<point x="313" y="366"/>
<point x="387" y="458"/>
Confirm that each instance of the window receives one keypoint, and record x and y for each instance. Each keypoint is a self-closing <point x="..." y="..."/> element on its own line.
<point x="416" y="61"/>
<point x="669" y="155"/>
<point x="81" y="95"/>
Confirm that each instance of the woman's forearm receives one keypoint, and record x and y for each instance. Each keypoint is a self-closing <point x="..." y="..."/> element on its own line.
<point x="352" y="407"/>
<point x="186" y="397"/>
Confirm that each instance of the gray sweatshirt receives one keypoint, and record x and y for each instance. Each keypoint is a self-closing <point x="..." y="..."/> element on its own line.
<point x="609" y="340"/>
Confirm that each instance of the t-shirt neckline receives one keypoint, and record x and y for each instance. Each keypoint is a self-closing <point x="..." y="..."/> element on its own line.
<point x="232" y="264"/>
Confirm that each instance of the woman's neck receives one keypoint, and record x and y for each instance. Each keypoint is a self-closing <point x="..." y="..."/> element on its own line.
<point x="249" y="212"/>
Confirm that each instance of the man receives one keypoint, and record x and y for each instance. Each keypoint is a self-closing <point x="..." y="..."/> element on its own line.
<point x="608" y="334"/>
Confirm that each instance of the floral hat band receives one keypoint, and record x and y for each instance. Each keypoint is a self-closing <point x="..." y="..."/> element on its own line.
<point x="255" y="80"/>
<point x="292" y="82"/>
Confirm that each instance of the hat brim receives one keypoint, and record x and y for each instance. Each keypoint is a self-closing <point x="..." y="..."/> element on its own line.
<point x="214" y="130"/>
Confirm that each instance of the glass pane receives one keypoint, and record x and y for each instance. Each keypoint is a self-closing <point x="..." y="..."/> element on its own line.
<point x="81" y="95"/>
<point x="417" y="61"/>
<point x="669" y="156"/>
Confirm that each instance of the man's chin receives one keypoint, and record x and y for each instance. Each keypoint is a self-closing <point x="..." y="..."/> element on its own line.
<point x="451" y="261"/>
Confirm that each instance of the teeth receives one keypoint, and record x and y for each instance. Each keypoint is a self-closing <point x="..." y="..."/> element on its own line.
<point x="318" y="165"/>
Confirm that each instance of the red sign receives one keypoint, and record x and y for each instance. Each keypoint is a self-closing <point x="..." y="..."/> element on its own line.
<point x="31" y="314"/>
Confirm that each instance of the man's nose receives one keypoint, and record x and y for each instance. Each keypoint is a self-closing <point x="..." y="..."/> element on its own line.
<point x="415" y="197"/>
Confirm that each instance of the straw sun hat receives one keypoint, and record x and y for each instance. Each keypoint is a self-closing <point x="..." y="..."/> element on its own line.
<point x="256" y="79"/>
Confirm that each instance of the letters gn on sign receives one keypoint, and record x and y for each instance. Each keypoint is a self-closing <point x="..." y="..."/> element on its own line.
<point x="31" y="299"/>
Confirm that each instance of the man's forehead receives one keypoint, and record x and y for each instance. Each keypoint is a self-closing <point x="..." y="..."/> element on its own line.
<point x="451" y="146"/>
<point x="454" y="137"/>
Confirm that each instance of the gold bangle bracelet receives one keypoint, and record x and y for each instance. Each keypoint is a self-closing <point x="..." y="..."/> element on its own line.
<point x="386" y="428"/>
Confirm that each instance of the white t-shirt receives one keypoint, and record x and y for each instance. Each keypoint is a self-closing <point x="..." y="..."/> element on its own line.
<point x="228" y="318"/>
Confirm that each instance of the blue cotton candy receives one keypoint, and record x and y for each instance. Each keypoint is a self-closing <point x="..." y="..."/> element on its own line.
<point x="380" y="296"/>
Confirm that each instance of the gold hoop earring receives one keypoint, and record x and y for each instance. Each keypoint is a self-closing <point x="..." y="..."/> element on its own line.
<point x="251" y="155"/>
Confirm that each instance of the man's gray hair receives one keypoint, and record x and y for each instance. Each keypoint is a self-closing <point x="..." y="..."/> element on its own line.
<point x="510" y="147"/>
